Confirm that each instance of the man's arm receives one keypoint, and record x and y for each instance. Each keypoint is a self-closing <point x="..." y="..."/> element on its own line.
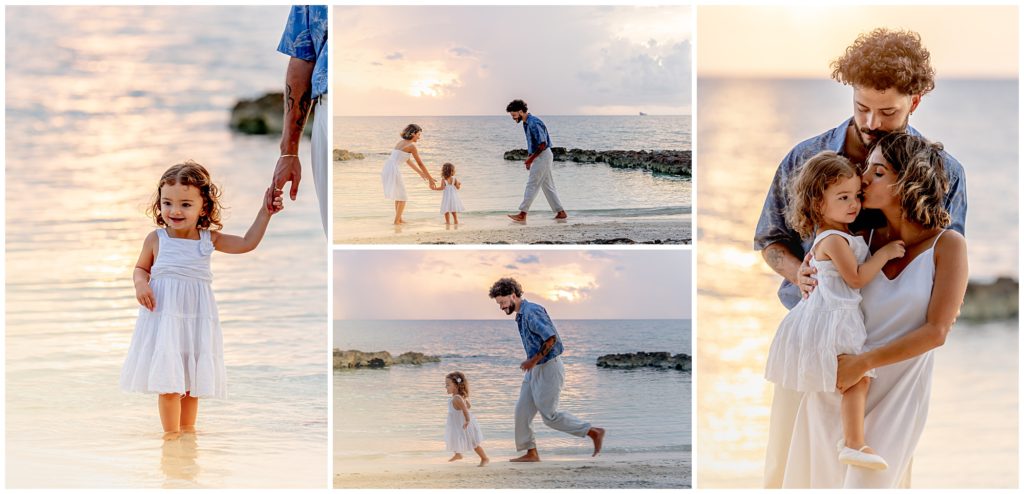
<point x="297" y="90"/>
<point x="545" y="349"/>
<point x="782" y="261"/>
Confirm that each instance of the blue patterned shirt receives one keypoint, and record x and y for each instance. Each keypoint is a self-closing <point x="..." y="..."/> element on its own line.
<point x="535" y="327"/>
<point x="772" y="228"/>
<point x="536" y="133"/>
<point x="305" y="37"/>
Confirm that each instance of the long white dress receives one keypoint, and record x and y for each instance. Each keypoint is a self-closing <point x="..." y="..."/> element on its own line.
<point x="897" y="403"/>
<point x="826" y="324"/>
<point x="457" y="439"/>
<point x="391" y="176"/>
<point x="450" y="202"/>
<point x="178" y="347"/>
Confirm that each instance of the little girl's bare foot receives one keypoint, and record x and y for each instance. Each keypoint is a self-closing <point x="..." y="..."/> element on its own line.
<point x="455" y="457"/>
<point x="484" y="461"/>
<point x="172" y="435"/>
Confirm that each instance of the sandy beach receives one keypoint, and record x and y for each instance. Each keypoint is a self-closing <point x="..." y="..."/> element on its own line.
<point x="637" y="471"/>
<point x="675" y="231"/>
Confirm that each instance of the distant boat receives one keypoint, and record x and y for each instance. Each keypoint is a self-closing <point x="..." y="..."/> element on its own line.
<point x="642" y="114"/>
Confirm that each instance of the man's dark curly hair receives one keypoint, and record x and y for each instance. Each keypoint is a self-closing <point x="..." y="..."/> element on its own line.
<point x="516" y="105"/>
<point x="505" y="287"/>
<point x="884" y="59"/>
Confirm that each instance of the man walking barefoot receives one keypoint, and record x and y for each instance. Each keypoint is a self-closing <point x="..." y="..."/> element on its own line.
<point x="544" y="374"/>
<point x="538" y="163"/>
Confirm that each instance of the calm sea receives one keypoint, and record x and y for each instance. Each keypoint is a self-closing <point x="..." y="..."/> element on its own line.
<point x="746" y="128"/>
<point x="397" y="414"/>
<point x="493" y="186"/>
<point x="99" y="102"/>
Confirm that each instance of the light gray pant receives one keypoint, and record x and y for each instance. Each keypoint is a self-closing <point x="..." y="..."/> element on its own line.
<point x="541" y="180"/>
<point x="319" y="156"/>
<point x="539" y="393"/>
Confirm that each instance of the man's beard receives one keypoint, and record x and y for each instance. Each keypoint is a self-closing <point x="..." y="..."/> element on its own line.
<point x="508" y="311"/>
<point x="877" y="134"/>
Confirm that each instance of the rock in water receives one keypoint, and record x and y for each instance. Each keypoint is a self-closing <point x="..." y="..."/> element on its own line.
<point x="345" y="155"/>
<point x="355" y="359"/>
<point x="991" y="301"/>
<point x="263" y="115"/>
<point x="658" y="360"/>
<point x="666" y="162"/>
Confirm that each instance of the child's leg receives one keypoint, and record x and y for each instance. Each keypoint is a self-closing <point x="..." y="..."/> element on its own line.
<point x="455" y="216"/>
<point x="852" y="414"/>
<point x="189" y="411"/>
<point x="170" y="414"/>
<point x="456" y="456"/>
<point x="483" y="456"/>
<point x="447" y="220"/>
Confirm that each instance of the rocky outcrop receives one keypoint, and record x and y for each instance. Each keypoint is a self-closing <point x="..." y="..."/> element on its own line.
<point x="354" y="359"/>
<point x="263" y="115"/>
<point x="667" y="162"/>
<point x="657" y="360"/>
<point x="991" y="301"/>
<point x="345" y="155"/>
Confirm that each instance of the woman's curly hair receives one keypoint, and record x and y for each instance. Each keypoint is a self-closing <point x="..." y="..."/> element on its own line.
<point x="807" y="190"/>
<point x="195" y="175"/>
<point x="461" y="384"/>
<point x="921" y="179"/>
<point x="884" y="59"/>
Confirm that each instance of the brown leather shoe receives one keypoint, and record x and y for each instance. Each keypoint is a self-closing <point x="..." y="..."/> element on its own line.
<point x="518" y="218"/>
<point x="561" y="215"/>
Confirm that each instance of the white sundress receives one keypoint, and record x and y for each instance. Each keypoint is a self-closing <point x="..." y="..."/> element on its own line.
<point x="391" y="176"/>
<point x="178" y="347"/>
<point x="826" y="324"/>
<point x="450" y="202"/>
<point x="457" y="439"/>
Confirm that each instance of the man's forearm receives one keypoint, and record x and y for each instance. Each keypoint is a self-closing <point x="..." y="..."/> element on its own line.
<point x="297" y="91"/>
<point x="781" y="260"/>
<point x="545" y="348"/>
<point x="540" y="149"/>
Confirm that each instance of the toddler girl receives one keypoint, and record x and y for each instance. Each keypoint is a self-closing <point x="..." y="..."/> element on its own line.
<point x="450" y="202"/>
<point x="461" y="431"/>
<point x="825" y="197"/>
<point x="176" y="349"/>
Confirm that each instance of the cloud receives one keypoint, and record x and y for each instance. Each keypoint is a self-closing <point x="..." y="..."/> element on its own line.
<point x="462" y="51"/>
<point x="395" y="56"/>
<point x="511" y="266"/>
<point x="531" y="259"/>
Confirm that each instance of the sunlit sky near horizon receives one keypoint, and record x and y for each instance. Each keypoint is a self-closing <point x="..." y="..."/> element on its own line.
<point x="801" y="41"/>
<point x="449" y="284"/>
<point x="473" y="60"/>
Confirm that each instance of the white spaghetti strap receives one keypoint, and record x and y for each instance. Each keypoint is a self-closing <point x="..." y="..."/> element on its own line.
<point x="937" y="238"/>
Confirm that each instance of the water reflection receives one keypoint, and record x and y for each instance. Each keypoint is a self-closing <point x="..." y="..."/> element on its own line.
<point x="178" y="461"/>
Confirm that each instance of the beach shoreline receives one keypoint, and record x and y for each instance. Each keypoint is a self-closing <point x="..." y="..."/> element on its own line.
<point x="608" y="471"/>
<point x="672" y="232"/>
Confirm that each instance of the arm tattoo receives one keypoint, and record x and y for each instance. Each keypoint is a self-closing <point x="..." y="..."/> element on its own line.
<point x="775" y="256"/>
<point x="302" y="105"/>
<point x="547" y="346"/>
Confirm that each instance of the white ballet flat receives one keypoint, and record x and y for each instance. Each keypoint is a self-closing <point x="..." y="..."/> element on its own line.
<point x="858" y="458"/>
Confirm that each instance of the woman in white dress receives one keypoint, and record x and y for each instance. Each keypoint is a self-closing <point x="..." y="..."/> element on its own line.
<point x="908" y="311"/>
<point x="391" y="175"/>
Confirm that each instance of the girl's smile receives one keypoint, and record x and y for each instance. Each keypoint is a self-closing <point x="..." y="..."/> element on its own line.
<point x="180" y="207"/>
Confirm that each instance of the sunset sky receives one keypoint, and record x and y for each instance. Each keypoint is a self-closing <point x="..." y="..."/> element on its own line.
<point x="800" y="41"/>
<point x="446" y="284"/>
<point x="472" y="60"/>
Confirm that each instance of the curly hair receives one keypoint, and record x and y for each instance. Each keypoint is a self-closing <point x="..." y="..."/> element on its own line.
<point x="410" y="130"/>
<point x="516" y="105"/>
<point x="505" y="287"/>
<point x="807" y="190"/>
<point x="195" y="175"/>
<point x="884" y="59"/>
<point x="921" y="179"/>
<point x="447" y="170"/>
<point x="461" y="384"/>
